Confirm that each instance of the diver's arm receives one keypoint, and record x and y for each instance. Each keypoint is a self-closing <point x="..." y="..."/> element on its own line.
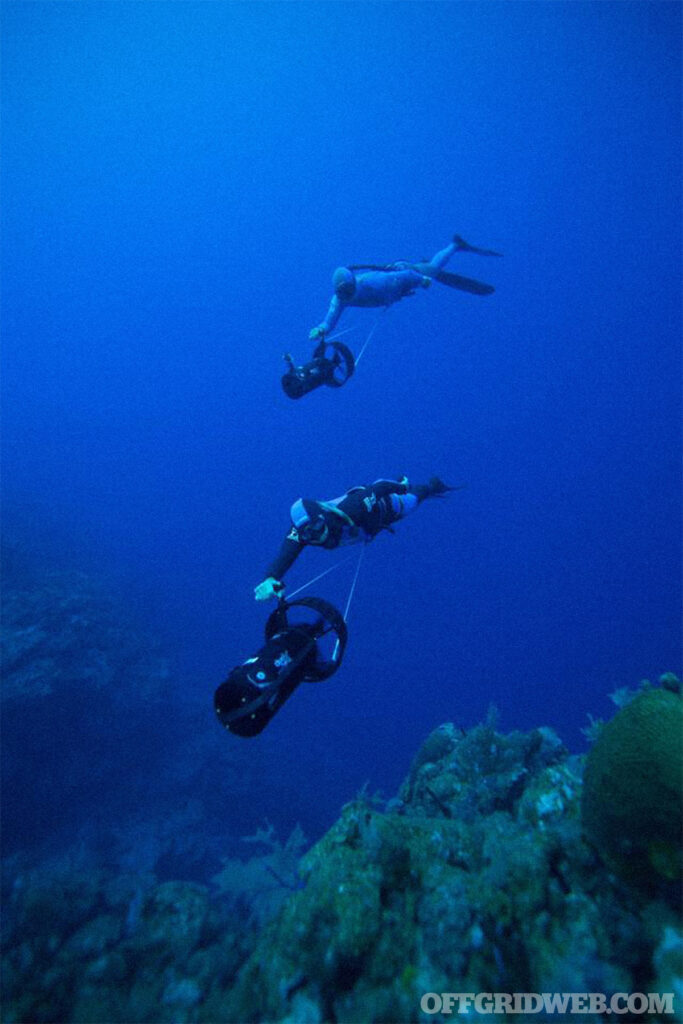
<point x="288" y="554"/>
<point x="330" y="321"/>
<point x="272" y="585"/>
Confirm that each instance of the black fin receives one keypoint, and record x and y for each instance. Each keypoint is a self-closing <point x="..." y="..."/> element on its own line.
<point x="463" y="284"/>
<point x="464" y="246"/>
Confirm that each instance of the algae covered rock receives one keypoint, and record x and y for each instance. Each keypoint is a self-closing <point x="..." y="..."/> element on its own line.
<point x="475" y="880"/>
<point x="631" y="805"/>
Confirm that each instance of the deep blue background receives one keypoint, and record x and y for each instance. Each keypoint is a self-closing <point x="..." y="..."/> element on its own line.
<point x="180" y="180"/>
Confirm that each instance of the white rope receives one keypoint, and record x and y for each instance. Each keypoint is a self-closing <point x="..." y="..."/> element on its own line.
<point x="353" y="585"/>
<point x="348" y="603"/>
<point x="340" y="334"/>
<point x="369" y="337"/>
<point x="316" y="578"/>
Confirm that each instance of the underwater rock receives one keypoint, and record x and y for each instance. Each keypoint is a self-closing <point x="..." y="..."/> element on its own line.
<point x="182" y="992"/>
<point x="668" y="963"/>
<point x="50" y="901"/>
<point x="173" y="917"/>
<point x="631" y="808"/>
<point x="94" y="937"/>
<point x="468" y="774"/>
<point x="64" y="633"/>
<point x="477" y="879"/>
<point x="81" y="963"/>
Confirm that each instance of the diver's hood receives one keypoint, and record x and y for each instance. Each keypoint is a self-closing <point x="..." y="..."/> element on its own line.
<point x="344" y="283"/>
<point x="304" y="511"/>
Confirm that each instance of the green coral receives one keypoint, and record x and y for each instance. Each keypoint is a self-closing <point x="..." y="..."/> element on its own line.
<point x="631" y="805"/>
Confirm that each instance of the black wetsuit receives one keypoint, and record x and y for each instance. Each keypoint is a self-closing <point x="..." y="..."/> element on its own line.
<point x="365" y="511"/>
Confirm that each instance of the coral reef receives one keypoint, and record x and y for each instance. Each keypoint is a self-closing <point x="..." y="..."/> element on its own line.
<point x="260" y="885"/>
<point x="475" y="877"/>
<point x="64" y="633"/>
<point x="631" y="805"/>
<point x="89" y="946"/>
<point x="74" y="663"/>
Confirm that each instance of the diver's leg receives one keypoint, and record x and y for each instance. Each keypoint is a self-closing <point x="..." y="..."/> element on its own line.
<point x="441" y="258"/>
<point x="398" y="506"/>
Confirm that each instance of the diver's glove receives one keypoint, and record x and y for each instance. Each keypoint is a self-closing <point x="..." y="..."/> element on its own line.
<point x="269" y="588"/>
<point x="317" y="332"/>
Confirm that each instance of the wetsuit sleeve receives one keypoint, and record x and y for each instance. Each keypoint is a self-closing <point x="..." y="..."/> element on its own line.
<point x="333" y="314"/>
<point x="288" y="554"/>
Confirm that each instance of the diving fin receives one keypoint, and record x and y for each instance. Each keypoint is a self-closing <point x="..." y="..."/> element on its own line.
<point x="437" y="487"/>
<point x="464" y="246"/>
<point x="463" y="284"/>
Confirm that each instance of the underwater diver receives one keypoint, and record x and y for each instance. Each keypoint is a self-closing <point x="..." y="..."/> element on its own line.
<point x="359" y="515"/>
<point x="382" y="286"/>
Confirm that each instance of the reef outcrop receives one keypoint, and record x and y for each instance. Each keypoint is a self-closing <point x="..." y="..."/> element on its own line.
<point x="476" y="877"/>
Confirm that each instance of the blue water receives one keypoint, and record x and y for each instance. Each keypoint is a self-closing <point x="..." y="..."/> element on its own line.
<point x="180" y="181"/>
